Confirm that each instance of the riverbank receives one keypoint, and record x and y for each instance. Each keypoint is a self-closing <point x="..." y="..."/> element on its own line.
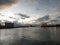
<point x="54" y="25"/>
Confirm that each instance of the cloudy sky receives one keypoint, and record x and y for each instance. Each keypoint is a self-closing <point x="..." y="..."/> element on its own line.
<point x="32" y="8"/>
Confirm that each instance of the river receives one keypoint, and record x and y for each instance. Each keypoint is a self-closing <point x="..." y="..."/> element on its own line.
<point x="29" y="36"/>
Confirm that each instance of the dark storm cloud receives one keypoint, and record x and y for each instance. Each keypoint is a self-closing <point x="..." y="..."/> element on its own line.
<point x="7" y="3"/>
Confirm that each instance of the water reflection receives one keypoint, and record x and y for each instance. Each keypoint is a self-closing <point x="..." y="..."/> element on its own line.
<point x="29" y="36"/>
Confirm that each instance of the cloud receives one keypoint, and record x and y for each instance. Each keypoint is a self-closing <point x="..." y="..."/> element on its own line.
<point x="23" y="16"/>
<point x="4" y="4"/>
<point x="54" y="8"/>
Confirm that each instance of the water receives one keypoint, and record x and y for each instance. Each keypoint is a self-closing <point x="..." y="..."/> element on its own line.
<point x="29" y="36"/>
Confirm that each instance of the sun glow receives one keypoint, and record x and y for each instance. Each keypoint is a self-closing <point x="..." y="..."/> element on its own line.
<point x="10" y="16"/>
<point x="29" y="20"/>
<point x="6" y="15"/>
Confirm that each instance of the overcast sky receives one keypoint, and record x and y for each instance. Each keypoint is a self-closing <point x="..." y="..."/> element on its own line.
<point x="33" y="8"/>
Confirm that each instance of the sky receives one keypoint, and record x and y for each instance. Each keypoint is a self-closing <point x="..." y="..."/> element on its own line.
<point x="32" y="8"/>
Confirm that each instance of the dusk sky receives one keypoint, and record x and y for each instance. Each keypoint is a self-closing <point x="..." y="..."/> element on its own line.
<point x="32" y="8"/>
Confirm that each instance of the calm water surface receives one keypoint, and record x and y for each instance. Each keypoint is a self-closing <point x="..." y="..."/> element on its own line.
<point x="29" y="35"/>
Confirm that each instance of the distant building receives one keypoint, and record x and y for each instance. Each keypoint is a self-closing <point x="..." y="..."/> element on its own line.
<point x="9" y="25"/>
<point x="6" y="25"/>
